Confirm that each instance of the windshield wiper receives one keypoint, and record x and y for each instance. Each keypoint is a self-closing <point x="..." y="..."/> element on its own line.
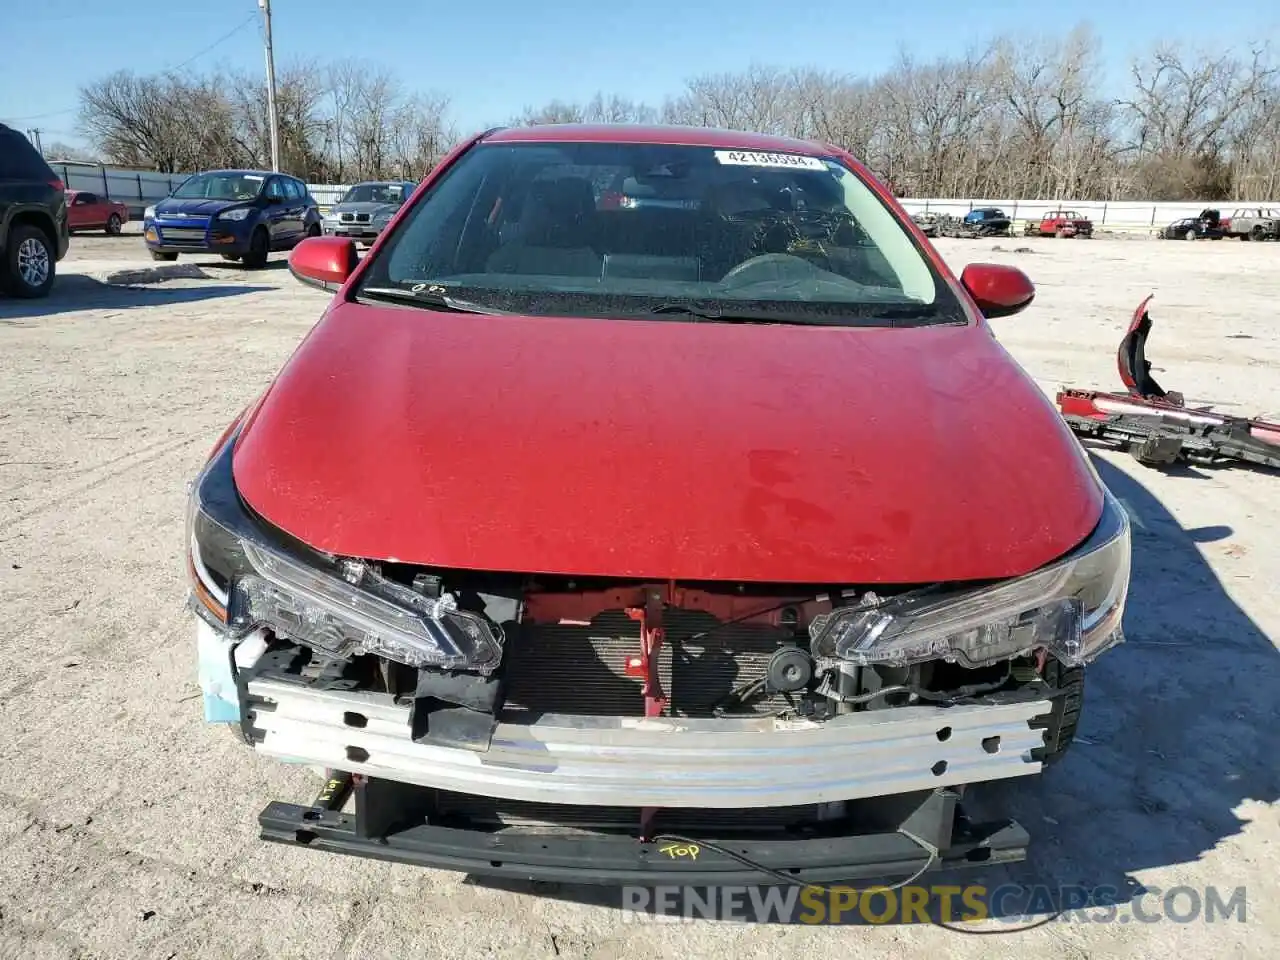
<point x="714" y="312"/>
<point x="910" y="316"/>
<point x="430" y="299"/>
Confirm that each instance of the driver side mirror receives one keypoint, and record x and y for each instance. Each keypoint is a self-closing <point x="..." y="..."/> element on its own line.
<point x="324" y="262"/>
<point x="997" y="289"/>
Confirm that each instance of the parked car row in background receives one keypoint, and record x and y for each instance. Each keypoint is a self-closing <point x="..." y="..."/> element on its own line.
<point x="246" y="215"/>
<point x="1245" y="223"/>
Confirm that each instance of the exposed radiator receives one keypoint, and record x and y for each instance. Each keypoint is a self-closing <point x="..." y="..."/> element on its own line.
<point x="580" y="669"/>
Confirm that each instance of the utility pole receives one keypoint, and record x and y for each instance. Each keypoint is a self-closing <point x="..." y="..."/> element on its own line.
<point x="273" y="119"/>
<point x="34" y="136"/>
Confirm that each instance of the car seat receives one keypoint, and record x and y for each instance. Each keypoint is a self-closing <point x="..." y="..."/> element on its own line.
<point x="553" y="238"/>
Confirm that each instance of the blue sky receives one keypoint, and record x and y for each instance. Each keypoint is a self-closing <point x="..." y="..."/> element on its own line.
<point x="493" y="57"/>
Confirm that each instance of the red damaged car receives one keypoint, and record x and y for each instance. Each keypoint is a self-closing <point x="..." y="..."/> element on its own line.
<point x="706" y="535"/>
<point x="88" y="211"/>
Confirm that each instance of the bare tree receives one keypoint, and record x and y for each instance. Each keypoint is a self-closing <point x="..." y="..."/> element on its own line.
<point x="1181" y="109"/>
<point x="1014" y="118"/>
<point x="57" y="150"/>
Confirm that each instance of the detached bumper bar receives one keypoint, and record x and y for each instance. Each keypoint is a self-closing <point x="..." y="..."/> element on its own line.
<point x="656" y="762"/>
<point x="368" y="832"/>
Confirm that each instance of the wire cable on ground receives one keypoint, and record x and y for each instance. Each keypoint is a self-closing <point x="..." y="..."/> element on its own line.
<point x="934" y="856"/>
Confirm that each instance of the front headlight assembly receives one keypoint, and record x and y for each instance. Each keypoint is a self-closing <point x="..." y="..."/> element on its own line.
<point x="245" y="578"/>
<point x="235" y="213"/>
<point x="1072" y="608"/>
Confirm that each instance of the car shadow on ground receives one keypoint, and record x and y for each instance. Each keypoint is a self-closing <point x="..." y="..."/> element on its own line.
<point x="72" y="292"/>
<point x="1177" y="733"/>
<point x="278" y="261"/>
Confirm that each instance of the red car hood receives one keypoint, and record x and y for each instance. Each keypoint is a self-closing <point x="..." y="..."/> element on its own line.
<point x="665" y="450"/>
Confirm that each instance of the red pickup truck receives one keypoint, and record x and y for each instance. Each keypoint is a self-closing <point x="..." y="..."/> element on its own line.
<point x="88" y="211"/>
<point x="1059" y="223"/>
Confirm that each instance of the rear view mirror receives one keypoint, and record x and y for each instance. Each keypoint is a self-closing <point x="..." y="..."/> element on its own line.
<point x="324" y="262"/>
<point x="997" y="289"/>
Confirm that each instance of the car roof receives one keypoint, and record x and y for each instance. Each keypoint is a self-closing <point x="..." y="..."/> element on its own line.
<point x="255" y="173"/>
<point x="669" y="134"/>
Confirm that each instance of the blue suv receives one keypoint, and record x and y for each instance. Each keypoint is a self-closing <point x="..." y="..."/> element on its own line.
<point x="240" y="214"/>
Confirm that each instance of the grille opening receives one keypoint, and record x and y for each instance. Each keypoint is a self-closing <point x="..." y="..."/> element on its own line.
<point x="575" y="669"/>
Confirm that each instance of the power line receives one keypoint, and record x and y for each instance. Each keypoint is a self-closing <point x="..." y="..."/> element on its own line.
<point x="41" y="116"/>
<point x="226" y="36"/>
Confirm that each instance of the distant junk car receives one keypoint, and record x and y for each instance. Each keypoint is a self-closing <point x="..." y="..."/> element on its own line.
<point x="1059" y="223"/>
<point x="1208" y="225"/>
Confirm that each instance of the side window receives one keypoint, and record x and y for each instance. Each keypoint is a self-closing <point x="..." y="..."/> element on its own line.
<point x="86" y="198"/>
<point x="293" y="189"/>
<point x="275" y="189"/>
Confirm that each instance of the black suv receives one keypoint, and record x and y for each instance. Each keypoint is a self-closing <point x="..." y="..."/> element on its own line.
<point x="33" y="218"/>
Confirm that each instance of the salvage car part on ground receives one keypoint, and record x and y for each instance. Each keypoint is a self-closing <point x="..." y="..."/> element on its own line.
<point x="1155" y="425"/>
<point x="539" y="608"/>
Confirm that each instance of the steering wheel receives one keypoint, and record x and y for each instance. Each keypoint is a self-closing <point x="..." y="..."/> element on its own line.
<point x="768" y="266"/>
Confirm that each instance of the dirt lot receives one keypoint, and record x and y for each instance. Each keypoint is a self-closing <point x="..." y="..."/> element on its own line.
<point x="129" y="826"/>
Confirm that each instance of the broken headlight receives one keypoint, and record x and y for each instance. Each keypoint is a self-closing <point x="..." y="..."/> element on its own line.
<point x="1071" y="608"/>
<point x="244" y="577"/>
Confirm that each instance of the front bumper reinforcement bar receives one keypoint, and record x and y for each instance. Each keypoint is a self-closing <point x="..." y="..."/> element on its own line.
<point x="655" y="761"/>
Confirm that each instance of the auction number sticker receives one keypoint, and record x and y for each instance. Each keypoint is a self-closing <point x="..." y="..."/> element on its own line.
<point x="743" y="158"/>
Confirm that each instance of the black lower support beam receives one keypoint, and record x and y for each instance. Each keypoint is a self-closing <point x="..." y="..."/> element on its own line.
<point x="606" y="859"/>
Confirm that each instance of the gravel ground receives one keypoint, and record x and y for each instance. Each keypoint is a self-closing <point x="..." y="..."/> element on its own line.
<point x="129" y="826"/>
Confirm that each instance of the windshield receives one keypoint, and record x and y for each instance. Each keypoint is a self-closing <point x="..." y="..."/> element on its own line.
<point x="375" y="193"/>
<point x="614" y="229"/>
<point x="220" y="186"/>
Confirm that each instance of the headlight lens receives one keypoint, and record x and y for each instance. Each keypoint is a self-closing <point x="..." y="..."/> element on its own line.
<point x="149" y="213"/>
<point x="241" y="580"/>
<point x="1072" y="608"/>
<point x="238" y="213"/>
<point x="333" y="216"/>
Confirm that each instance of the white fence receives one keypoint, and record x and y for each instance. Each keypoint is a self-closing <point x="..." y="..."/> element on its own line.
<point x="138" y="188"/>
<point x="327" y="194"/>
<point x="1111" y="215"/>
